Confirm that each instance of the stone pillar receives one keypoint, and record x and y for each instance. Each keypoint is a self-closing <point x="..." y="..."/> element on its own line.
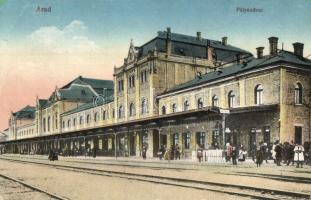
<point x="150" y="144"/>
<point x="193" y="141"/>
<point x="138" y="149"/>
<point x="168" y="140"/>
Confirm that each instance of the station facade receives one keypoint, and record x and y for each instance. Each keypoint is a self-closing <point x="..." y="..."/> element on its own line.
<point x="174" y="90"/>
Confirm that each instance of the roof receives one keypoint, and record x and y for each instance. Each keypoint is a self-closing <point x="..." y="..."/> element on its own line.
<point x="76" y="92"/>
<point x="89" y="105"/>
<point x="97" y="84"/>
<point x="186" y="45"/>
<point x="80" y="89"/>
<point x="250" y="63"/>
<point x="27" y="112"/>
<point x="42" y="102"/>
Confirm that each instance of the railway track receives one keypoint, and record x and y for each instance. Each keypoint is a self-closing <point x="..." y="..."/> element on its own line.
<point x="236" y="190"/>
<point x="123" y="163"/>
<point x="17" y="187"/>
<point x="276" y="177"/>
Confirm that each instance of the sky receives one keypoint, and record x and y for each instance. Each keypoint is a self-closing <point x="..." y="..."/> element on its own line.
<point x="43" y="50"/>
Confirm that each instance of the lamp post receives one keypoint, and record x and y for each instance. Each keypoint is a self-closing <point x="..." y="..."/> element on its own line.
<point x="159" y="129"/>
<point x="115" y="145"/>
<point x="227" y="131"/>
<point x="224" y="113"/>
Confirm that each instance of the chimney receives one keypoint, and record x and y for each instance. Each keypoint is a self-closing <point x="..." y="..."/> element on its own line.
<point x="298" y="49"/>
<point x="224" y="40"/>
<point x="168" y="33"/>
<point x="260" y="52"/>
<point x="199" y="36"/>
<point x="273" y="45"/>
<point x="168" y="41"/>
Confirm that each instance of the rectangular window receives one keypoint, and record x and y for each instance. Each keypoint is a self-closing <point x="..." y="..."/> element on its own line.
<point x="105" y="144"/>
<point x="174" y="108"/>
<point x="201" y="139"/>
<point x="143" y="76"/>
<point x="176" y="139"/>
<point x="298" y="135"/>
<point x="266" y="137"/>
<point x="231" y="101"/>
<point x="131" y="81"/>
<point x="187" y="140"/>
<point x="215" y="138"/>
<point x="120" y="85"/>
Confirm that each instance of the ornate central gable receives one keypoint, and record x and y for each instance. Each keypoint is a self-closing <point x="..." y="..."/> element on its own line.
<point x="132" y="54"/>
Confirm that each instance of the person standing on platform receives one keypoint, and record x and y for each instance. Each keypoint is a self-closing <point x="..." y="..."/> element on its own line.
<point x="278" y="153"/>
<point x="259" y="157"/>
<point x="234" y="155"/>
<point x="290" y="153"/>
<point x="265" y="151"/>
<point x="228" y="152"/>
<point x="161" y="152"/>
<point x="167" y="154"/>
<point x="144" y="152"/>
<point x="177" y="149"/>
<point x="242" y="154"/>
<point x="200" y="153"/>
<point x="94" y="152"/>
<point x="253" y="151"/>
<point x="299" y="157"/>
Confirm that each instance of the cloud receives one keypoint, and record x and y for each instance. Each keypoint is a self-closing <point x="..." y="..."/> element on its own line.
<point x="71" y="39"/>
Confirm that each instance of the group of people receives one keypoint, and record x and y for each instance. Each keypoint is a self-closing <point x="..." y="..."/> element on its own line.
<point x="260" y="153"/>
<point x="286" y="152"/>
<point x="232" y="153"/>
<point x="291" y="153"/>
<point x="53" y="155"/>
<point x="169" y="153"/>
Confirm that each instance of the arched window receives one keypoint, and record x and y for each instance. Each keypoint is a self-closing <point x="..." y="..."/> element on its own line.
<point x="81" y="120"/>
<point x="63" y="124"/>
<point x="74" y="121"/>
<point x="88" y="119"/>
<point x="132" y="109"/>
<point x="186" y="105"/>
<point x="200" y="103"/>
<point x="95" y="117"/>
<point x="174" y="107"/>
<point x="215" y="101"/>
<point x="120" y="112"/>
<point x="231" y="99"/>
<point x="49" y="123"/>
<point x="143" y="106"/>
<point x="68" y="123"/>
<point x="44" y="125"/>
<point x="298" y="93"/>
<point x="258" y="94"/>
<point x="163" y="110"/>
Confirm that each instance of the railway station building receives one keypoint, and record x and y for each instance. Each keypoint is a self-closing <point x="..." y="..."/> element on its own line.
<point x="174" y="90"/>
